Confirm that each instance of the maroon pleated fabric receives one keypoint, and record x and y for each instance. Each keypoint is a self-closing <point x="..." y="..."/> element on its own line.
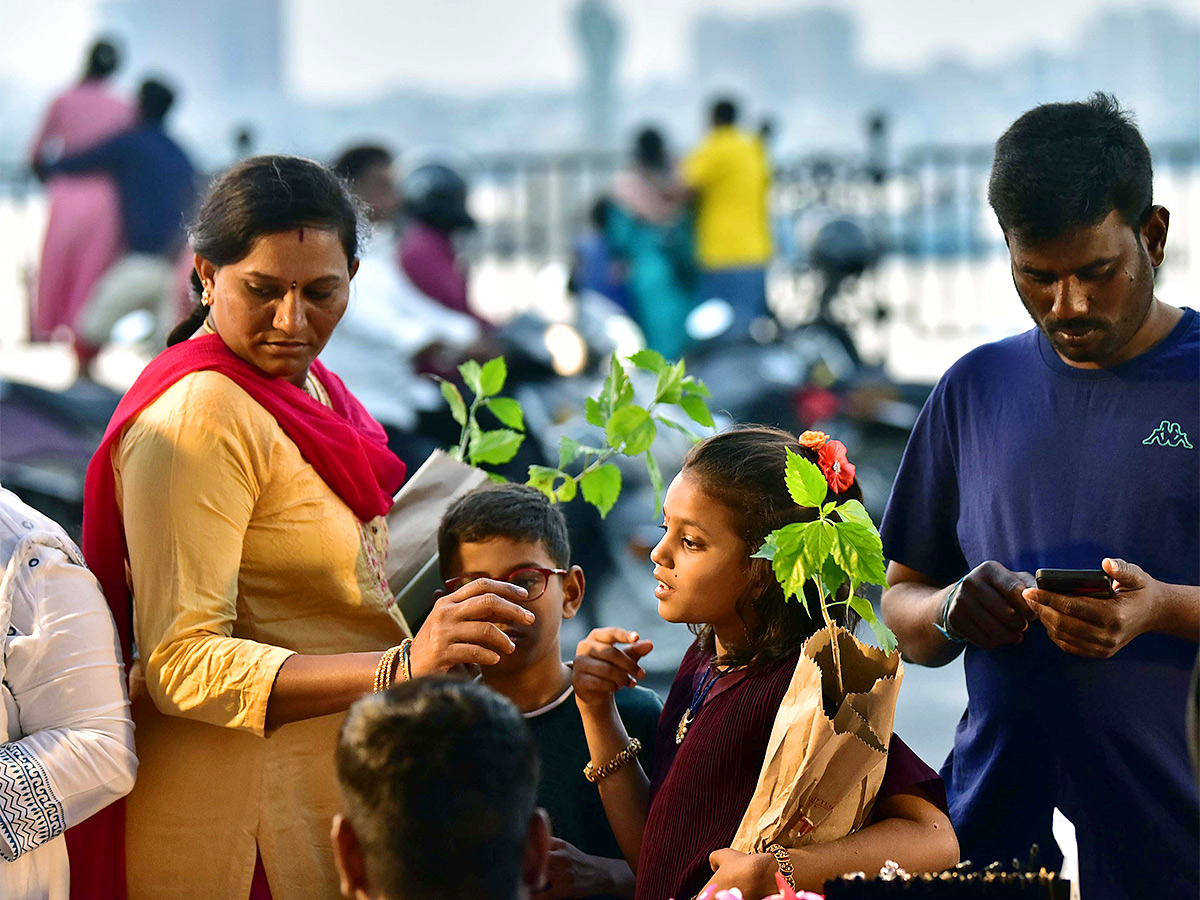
<point x="700" y="789"/>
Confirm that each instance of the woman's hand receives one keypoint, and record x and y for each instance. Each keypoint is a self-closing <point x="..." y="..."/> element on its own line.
<point x="601" y="668"/>
<point x="752" y="873"/>
<point x="464" y="627"/>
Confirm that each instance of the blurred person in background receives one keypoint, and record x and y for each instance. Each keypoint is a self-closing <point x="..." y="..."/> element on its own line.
<point x="435" y="198"/>
<point x="234" y="516"/>
<point x="731" y="178"/>
<point x="389" y="324"/>
<point x="593" y="267"/>
<point x="67" y="750"/>
<point x="157" y="187"/>
<point x="83" y="234"/>
<point x="439" y="782"/>
<point x="649" y="229"/>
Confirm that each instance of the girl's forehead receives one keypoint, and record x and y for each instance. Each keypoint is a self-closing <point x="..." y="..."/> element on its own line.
<point x="686" y="499"/>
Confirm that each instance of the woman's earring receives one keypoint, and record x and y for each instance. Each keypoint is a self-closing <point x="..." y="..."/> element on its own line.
<point x="205" y="298"/>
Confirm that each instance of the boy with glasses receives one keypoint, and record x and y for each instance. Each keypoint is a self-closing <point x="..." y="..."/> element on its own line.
<point x="512" y="533"/>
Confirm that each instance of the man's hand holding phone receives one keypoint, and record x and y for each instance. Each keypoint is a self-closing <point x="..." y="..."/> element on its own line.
<point x="988" y="608"/>
<point x="1082" y="621"/>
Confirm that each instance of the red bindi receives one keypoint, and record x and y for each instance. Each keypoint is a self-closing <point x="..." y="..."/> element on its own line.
<point x="301" y="235"/>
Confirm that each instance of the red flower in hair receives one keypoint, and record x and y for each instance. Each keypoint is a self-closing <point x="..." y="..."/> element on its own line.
<point x="838" y="471"/>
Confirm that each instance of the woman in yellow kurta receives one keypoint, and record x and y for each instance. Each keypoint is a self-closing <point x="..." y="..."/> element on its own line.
<point x="241" y="490"/>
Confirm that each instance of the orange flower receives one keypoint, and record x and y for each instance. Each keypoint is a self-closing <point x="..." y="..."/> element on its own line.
<point x="838" y="471"/>
<point x="813" y="440"/>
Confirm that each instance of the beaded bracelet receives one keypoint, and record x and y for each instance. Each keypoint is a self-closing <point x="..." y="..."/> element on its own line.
<point x="628" y="755"/>
<point x="785" y="863"/>
<point x="384" y="673"/>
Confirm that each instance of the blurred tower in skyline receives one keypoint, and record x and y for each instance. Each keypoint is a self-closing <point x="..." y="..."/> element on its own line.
<point x="599" y="32"/>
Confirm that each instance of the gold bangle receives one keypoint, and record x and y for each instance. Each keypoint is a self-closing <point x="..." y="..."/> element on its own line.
<point x="785" y="863"/>
<point x="384" y="671"/>
<point x="628" y="755"/>
<point x="406" y="659"/>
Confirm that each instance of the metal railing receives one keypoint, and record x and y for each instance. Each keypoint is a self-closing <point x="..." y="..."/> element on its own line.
<point x="942" y="259"/>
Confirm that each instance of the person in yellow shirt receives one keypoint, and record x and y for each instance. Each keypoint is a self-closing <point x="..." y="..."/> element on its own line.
<point x="730" y="177"/>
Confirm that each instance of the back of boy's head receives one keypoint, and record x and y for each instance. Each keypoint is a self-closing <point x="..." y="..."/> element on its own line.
<point x="439" y="778"/>
<point x="514" y="511"/>
<point x="743" y="469"/>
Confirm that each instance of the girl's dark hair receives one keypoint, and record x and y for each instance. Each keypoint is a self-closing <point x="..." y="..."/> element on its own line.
<point x="267" y="195"/>
<point x="743" y="469"/>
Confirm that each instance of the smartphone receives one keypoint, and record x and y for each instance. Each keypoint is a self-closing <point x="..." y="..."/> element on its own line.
<point x="1075" y="582"/>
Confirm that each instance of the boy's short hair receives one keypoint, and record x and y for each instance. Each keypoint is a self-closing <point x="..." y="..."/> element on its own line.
<point x="515" y="511"/>
<point x="439" y="778"/>
<point x="1065" y="166"/>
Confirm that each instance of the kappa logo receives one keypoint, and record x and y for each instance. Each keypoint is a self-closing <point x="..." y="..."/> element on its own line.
<point x="1168" y="434"/>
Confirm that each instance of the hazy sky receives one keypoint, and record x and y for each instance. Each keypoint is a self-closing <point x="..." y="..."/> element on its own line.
<point x="340" y="49"/>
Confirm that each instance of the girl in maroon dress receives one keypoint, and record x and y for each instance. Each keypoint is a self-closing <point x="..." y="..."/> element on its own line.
<point x="675" y="827"/>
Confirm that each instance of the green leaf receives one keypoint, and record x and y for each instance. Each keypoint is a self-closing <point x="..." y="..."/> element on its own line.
<point x="656" y="480"/>
<point x="566" y="491"/>
<point x="458" y="409"/>
<point x="492" y="376"/>
<point x="801" y="549"/>
<point x="859" y="551"/>
<point x="804" y="481"/>
<point x="853" y="511"/>
<point x="568" y="451"/>
<point x="695" y="386"/>
<point x="682" y="429"/>
<point x="493" y="447"/>
<point x="768" y="549"/>
<point x="594" y="412"/>
<point x="496" y="477"/>
<point x="828" y="507"/>
<point x="601" y="487"/>
<point x="883" y="634"/>
<point x="669" y="388"/>
<point x="631" y="430"/>
<point x="832" y="578"/>
<point x="543" y="478"/>
<point x="696" y="409"/>
<point x="471" y="373"/>
<point x="649" y="360"/>
<point x="507" y="411"/>
<point x="618" y="391"/>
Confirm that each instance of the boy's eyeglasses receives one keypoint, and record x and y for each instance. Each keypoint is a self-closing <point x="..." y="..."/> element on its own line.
<point x="533" y="578"/>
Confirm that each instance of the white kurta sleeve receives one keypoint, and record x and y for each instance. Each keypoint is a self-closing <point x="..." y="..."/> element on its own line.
<point x="71" y="752"/>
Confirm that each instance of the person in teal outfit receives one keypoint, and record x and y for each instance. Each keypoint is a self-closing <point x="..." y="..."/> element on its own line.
<point x="650" y="229"/>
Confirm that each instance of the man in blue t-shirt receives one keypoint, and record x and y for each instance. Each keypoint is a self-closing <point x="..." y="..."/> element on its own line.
<point x="1072" y="445"/>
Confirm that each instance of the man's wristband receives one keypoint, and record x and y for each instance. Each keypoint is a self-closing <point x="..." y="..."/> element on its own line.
<point x="942" y="622"/>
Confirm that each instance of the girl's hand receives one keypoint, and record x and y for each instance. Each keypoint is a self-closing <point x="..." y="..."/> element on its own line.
<point x="601" y="668"/>
<point x="752" y="873"/>
<point x="463" y="627"/>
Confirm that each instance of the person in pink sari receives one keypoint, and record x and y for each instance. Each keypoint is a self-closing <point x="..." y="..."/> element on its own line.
<point x="84" y="234"/>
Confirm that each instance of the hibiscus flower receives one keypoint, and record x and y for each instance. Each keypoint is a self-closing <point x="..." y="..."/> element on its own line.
<point x="838" y="471"/>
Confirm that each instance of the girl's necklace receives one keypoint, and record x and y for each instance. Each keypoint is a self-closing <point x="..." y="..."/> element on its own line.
<point x="697" y="701"/>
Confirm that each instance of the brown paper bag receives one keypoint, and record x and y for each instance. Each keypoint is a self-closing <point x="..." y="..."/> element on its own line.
<point x="820" y="775"/>
<point x="412" y="561"/>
